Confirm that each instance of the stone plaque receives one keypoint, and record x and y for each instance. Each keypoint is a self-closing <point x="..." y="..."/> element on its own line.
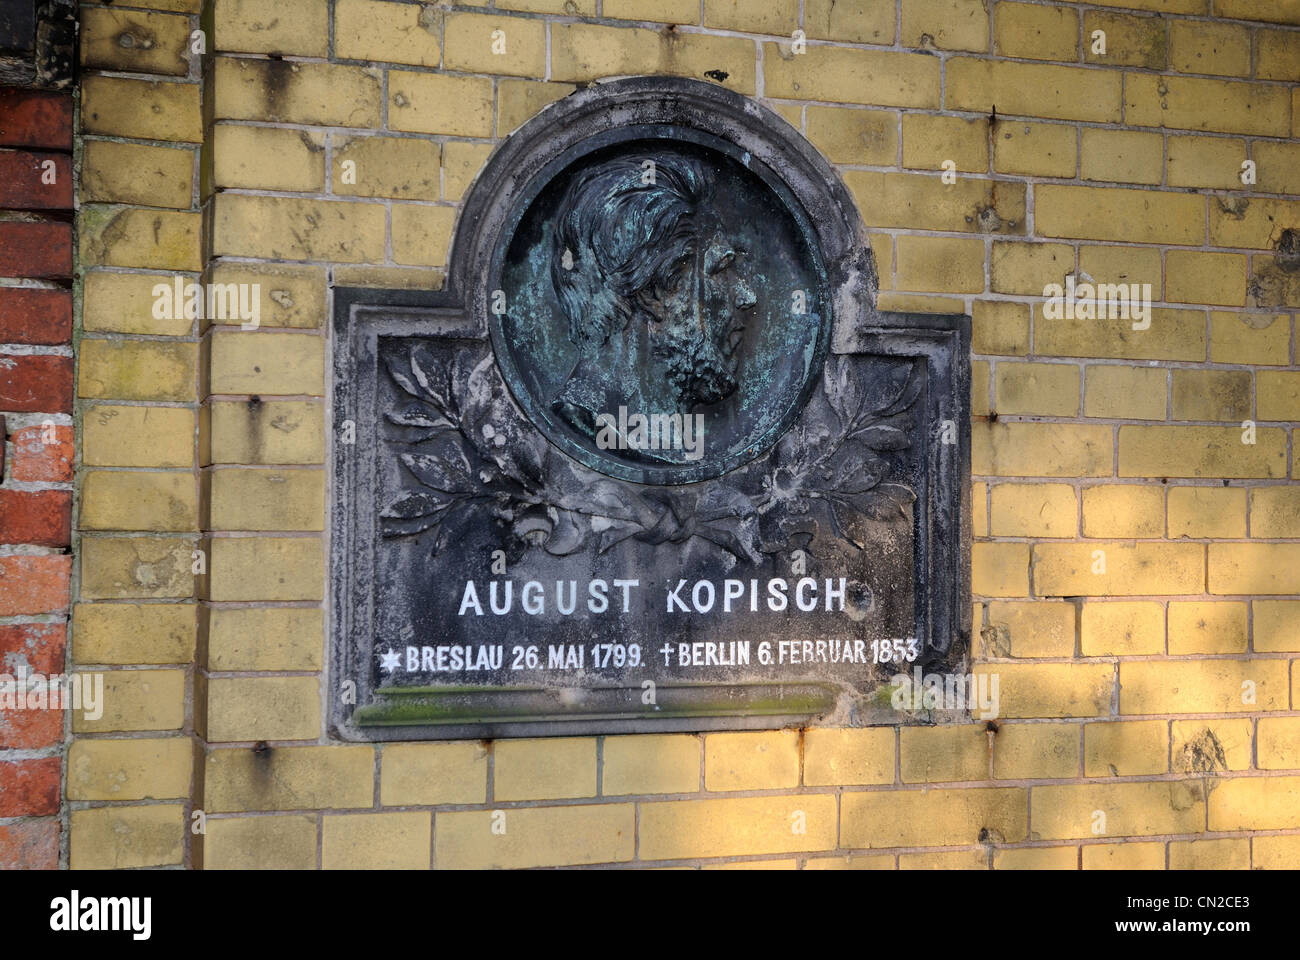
<point x="652" y="460"/>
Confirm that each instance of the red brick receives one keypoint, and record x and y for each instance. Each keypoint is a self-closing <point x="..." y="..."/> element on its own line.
<point x="33" y="118"/>
<point x="33" y="845"/>
<point x="30" y="788"/>
<point x="41" y="462"/>
<point x="30" y="729"/>
<point x="39" y="645"/>
<point x="35" y="316"/>
<point x="40" y="517"/>
<point x="35" y="249"/>
<point x="32" y="585"/>
<point x="40" y="384"/>
<point x="22" y="181"/>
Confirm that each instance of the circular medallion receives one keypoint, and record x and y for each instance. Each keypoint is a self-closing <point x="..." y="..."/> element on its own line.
<point x="658" y="305"/>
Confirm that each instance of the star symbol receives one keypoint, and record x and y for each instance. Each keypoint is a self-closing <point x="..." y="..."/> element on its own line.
<point x="390" y="661"/>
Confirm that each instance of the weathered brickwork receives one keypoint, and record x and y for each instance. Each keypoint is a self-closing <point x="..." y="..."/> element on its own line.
<point x="1136" y="513"/>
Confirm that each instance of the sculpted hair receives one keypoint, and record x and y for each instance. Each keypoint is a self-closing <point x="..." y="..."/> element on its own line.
<point x="624" y="234"/>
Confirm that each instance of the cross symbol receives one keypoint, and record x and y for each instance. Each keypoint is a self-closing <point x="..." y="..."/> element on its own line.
<point x="667" y="651"/>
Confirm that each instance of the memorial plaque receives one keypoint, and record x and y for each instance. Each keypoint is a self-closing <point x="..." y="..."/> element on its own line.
<point x="652" y="460"/>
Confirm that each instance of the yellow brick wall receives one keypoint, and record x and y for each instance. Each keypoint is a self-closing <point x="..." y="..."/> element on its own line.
<point x="1135" y="563"/>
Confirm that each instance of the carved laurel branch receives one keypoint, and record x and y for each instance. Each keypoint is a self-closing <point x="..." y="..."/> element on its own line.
<point x="468" y="447"/>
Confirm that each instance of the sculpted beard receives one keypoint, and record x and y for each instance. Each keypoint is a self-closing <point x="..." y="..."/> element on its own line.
<point x="698" y="370"/>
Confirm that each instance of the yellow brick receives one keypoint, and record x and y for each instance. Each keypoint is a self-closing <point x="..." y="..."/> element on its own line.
<point x="1277" y="166"/>
<point x="1026" y="268"/>
<point x="1275" y="853"/>
<point x="424" y="774"/>
<point x="392" y="32"/>
<point x="931" y="141"/>
<point x="845" y="75"/>
<point x="390" y="278"/>
<point x="138" y="370"/>
<point x="948" y="24"/>
<point x="1268" y="568"/>
<point x="136" y="568"/>
<point x="915" y="303"/>
<point x="265" y="568"/>
<point x="267" y="500"/>
<point x="549" y="769"/>
<point x="1127" y="749"/>
<point x="752" y="865"/>
<point x="1037" y="858"/>
<point x="774" y="16"/>
<point x="1212" y="162"/>
<point x="1173" y="335"/>
<point x="119" y="838"/>
<point x="661" y="11"/>
<point x="979" y="509"/>
<point x="298" y="229"/>
<point x="266" y="158"/>
<point x="288" y="295"/>
<point x="135" y="173"/>
<point x="1103" y="213"/>
<point x="521" y="100"/>
<point x="263" y="708"/>
<point x="461" y="163"/>
<point x="742" y="826"/>
<point x="922" y="818"/>
<point x="1201" y="686"/>
<point x="1218" y="278"/>
<point x="118" y="436"/>
<point x="289" y="778"/>
<point x="133" y="632"/>
<point x="919" y="202"/>
<point x="846" y="135"/>
<point x="124" y="303"/>
<point x="940" y="264"/>
<point x="1027" y="31"/>
<point x="324" y="94"/>
<point x="121" y="770"/>
<point x="1278" y="394"/>
<point x="945" y="860"/>
<point x="766" y="760"/>
<point x="376" y="841"/>
<point x="1253" y="338"/>
<point x="854" y="861"/>
<point x="421" y="235"/>
<point x="250" y="638"/>
<point x="1279" y="743"/>
<point x="1052" y="689"/>
<point x="1123" y="628"/>
<point x="1034" y="510"/>
<point x="1125" y="156"/>
<point x="137" y="700"/>
<point x="260" y="843"/>
<point x="1130" y="393"/>
<point x="1104" y="568"/>
<point x="847" y="21"/>
<point x="1124" y="856"/>
<point x="1121" y="264"/>
<point x="273" y="432"/>
<point x="1123" y="510"/>
<point x="1043" y="389"/>
<point x="132" y="41"/>
<point x="1256" y="223"/>
<point x="1041" y="450"/>
<point x="296" y="27"/>
<point x="848" y="757"/>
<point x="1212" y="746"/>
<point x="947" y="753"/>
<point x="400" y="167"/>
<point x="538" y="837"/>
<point x="1000" y="328"/>
<point x="979" y="388"/>
<point x="1255" y="803"/>
<point x="1196" y="627"/>
<point x="650" y="764"/>
<point x="1224" y="853"/>
<point x="1000" y="569"/>
<point x="1194" y="103"/>
<point x="1213" y="452"/>
<point x="1033" y="90"/>
<point x="136" y="500"/>
<point x="1276" y="55"/>
<point x="1069" y="811"/>
<point x="1218" y="512"/>
<point x="476" y="43"/>
<point x="1130" y="41"/>
<point x="578" y="8"/>
<point x="144" y="109"/>
<point x="267" y="363"/>
<point x="1035" y="149"/>
<point x="136" y="237"/>
<point x="430" y="103"/>
<point x="1222" y="49"/>
<point x="1033" y="629"/>
<point x="1035" y="751"/>
<point x="1277" y="625"/>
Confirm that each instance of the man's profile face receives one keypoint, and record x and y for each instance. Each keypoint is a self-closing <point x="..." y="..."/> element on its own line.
<point x="699" y="317"/>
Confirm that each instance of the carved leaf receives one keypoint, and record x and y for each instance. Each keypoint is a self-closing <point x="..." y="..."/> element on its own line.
<point x="448" y="470"/>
